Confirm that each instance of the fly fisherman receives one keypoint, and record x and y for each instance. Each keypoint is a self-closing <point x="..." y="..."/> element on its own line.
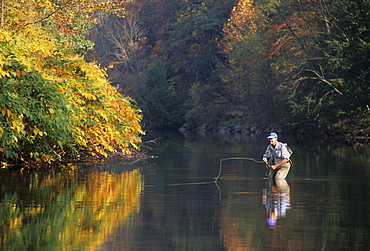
<point x="278" y="157"/>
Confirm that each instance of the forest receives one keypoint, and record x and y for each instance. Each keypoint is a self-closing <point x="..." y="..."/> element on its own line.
<point x="85" y="76"/>
<point x="296" y="65"/>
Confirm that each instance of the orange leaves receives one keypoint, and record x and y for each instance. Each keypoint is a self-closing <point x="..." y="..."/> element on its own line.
<point x="292" y="24"/>
<point x="19" y="73"/>
<point x="8" y="74"/>
<point x="276" y="27"/>
<point x="241" y="28"/>
<point x="277" y="44"/>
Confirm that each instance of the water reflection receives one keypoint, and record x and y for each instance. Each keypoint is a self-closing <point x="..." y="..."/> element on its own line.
<point x="322" y="205"/>
<point x="276" y="198"/>
<point x="66" y="211"/>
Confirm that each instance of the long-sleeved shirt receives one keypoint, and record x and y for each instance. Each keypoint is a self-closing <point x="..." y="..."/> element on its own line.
<point x="277" y="153"/>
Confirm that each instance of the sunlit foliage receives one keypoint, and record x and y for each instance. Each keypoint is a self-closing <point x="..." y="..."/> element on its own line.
<point x="65" y="13"/>
<point x="54" y="103"/>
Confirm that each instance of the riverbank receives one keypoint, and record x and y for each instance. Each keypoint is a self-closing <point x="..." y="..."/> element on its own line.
<point x="254" y="128"/>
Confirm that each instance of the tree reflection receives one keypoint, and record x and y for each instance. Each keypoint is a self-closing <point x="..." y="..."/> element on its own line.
<point x="67" y="211"/>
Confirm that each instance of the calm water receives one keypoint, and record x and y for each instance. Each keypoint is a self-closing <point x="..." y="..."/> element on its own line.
<point x="171" y="202"/>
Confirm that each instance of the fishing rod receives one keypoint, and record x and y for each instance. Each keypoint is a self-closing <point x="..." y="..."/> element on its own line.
<point x="240" y="158"/>
<point x="219" y="173"/>
<point x="218" y="176"/>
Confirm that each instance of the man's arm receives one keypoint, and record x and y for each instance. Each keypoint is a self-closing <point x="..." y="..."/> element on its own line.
<point x="281" y="162"/>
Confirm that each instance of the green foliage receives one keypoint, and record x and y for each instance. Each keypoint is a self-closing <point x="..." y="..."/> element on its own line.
<point x="332" y="93"/>
<point x="194" y="35"/>
<point x="71" y="35"/>
<point x="349" y="50"/>
<point x="302" y="63"/>
<point x="206" y="106"/>
<point x="35" y="120"/>
<point x="184" y="36"/>
<point x="162" y="105"/>
<point x="53" y="103"/>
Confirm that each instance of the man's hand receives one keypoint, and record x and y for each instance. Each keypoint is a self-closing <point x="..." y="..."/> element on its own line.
<point x="264" y="159"/>
<point x="282" y="162"/>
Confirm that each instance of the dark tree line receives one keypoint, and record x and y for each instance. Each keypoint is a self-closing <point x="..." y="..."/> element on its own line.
<point x="302" y="65"/>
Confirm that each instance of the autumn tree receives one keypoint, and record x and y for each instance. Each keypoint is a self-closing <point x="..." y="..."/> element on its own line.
<point x="294" y="32"/>
<point x="274" y="62"/>
<point x="312" y="65"/>
<point x="247" y="77"/>
<point x="55" y="103"/>
<point x="338" y="85"/>
<point x="181" y="34"/>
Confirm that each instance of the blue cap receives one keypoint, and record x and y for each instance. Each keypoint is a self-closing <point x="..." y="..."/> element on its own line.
<point x="271" y="222"/>
<point x="272" y="135"/>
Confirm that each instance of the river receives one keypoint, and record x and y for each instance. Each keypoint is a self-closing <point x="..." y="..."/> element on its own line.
<point x="173" y="201"/>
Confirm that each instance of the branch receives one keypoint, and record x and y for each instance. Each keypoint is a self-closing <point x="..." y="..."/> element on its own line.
<point x="322" y="78"/>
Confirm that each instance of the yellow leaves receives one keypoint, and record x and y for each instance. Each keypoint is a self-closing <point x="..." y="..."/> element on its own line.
<point x="13" y="123"/>
<point x="108" y="121"/>
<point x="110" y="148"/>
<point x="37" y="131"/>
<point x="43" y="3"/>
<point x="6" y="36"/>
<point x="88" y="96"/>
<point x="2" y="163"/>
<point x="243" y="18"/>
<point x="4" y="74"/>
<point x="47" y="158"/>
<point x="103" y="121"/>
<point x="31" y="48"/>
<point x="6" y="112"/>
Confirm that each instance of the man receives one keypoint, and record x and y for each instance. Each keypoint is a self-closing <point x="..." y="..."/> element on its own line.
<point x="278" y="157"/>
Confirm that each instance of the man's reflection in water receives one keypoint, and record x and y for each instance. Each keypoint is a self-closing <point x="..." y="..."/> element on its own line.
<point x="276" y="198"/>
